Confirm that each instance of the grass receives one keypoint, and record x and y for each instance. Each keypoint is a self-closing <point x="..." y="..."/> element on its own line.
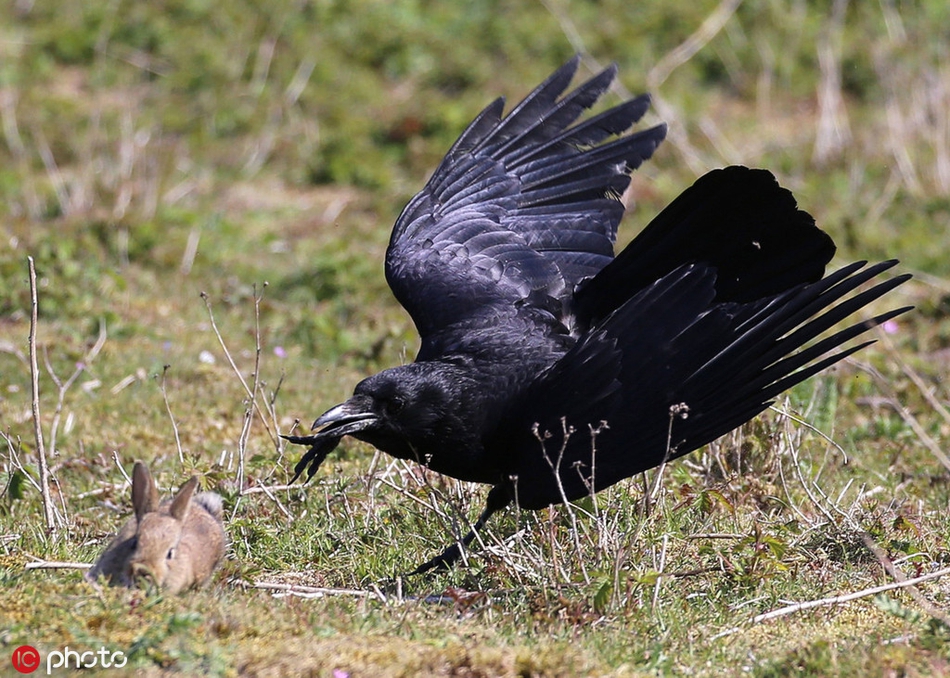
<point x="259" y="154"/>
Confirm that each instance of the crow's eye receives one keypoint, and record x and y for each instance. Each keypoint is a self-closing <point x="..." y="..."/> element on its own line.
<point x="394" y="405"/>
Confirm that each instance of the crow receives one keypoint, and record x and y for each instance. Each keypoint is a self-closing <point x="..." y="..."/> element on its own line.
<point x="550" y="369"/>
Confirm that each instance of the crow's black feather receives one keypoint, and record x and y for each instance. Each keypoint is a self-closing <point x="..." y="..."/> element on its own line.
<point x="550" y="369"/>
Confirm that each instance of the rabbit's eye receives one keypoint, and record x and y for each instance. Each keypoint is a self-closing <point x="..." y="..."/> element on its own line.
<point x="171" y="554"/>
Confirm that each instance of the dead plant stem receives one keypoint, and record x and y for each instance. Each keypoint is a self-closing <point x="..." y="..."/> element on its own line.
<point x="48" y="510"/>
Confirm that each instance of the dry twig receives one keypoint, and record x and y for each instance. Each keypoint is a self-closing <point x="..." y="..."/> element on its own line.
<point x="314" y="591"/>
<point x="847" y="597"/>
<point x="56" y="565"/>
<point x="49" y="512"/>
<point x="168" y="409"/>
<point x="227" y="354"/>
<point x="885" y="386"/>
<point x="899" y="577"/>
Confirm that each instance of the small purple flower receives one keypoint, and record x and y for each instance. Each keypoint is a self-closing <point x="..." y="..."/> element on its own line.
<point x="340" y="673"/>
<point x="280" y="352"/>
<point x="891" y="327"/>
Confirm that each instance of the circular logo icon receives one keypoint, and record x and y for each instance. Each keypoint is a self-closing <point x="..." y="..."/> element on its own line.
<point x="26" y="659"/>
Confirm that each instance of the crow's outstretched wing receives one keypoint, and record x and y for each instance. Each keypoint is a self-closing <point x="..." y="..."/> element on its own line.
<point x="670" y="371"/>
<point x="521" y="209"/>
<point x="737" y="220"/>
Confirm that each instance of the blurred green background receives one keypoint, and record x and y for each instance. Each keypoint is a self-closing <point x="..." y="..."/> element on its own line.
<point x="150" y="151"/>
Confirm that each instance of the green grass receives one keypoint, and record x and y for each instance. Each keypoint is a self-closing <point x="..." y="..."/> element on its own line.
<point x="281" y="141"/>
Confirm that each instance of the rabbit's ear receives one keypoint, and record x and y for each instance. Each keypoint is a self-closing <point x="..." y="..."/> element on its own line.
<point x="144" y="492"/>
<point x="182" y="500"/>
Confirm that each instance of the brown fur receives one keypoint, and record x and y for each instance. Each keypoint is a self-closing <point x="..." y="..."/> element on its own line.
<point x="175" y="544"/>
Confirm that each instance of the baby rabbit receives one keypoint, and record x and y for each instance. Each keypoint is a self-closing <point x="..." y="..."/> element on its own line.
<point x="176" y="544"/>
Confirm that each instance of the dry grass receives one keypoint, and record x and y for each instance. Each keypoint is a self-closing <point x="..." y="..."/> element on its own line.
<point x="208" y="199"/>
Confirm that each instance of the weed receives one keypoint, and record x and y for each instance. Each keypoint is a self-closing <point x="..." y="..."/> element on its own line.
<point x="150" y="153"/>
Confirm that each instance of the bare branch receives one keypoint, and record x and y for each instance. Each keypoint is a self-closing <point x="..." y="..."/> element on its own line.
<point x="312" y="591"/>
<point x="885" y="386"/>
<point x="48" y="509"/>
<point x="168" y="409"/>
<point x="227" y="354"/>
<point x="56" y="565"/>
<point x="898" y="576"/>
<point x="837" y="600"/>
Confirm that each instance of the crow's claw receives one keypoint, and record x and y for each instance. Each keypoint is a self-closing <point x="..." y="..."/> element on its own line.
<point x="443" y="561"/>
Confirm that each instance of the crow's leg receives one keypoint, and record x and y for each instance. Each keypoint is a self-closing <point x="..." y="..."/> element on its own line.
<point x="498" y="498"/>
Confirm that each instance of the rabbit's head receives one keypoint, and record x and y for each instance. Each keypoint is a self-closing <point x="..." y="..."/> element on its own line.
<point x="159" y="532"/>
<point x="175" y="544"/>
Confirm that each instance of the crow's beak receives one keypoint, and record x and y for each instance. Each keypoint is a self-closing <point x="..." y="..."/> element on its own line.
<point x="354" y="415"/>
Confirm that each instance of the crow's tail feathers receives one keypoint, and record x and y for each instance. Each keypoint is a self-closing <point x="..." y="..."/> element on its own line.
<point x="674" y="368"/>
<point x="737" y="220"/>
<point x="770" y="346"/>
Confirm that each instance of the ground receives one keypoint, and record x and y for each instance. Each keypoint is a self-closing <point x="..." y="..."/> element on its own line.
<point x="207" y="194"/>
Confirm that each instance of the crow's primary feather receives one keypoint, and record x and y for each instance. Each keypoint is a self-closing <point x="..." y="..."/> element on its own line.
<point x="536" y="338"/>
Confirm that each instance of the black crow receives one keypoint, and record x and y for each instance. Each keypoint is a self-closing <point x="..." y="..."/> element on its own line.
<point x="536" y="340"/>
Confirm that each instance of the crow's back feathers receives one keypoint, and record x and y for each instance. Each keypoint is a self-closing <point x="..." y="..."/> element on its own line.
<point x="738" y="220"/>
<point x="551" y="369"/>
<point x="520" y="211"/>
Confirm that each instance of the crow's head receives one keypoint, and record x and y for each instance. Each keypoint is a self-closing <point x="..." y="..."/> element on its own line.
<point x="396" y="410"/>
<point x="402" y="401"/>
<point x="426" y="412"/>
